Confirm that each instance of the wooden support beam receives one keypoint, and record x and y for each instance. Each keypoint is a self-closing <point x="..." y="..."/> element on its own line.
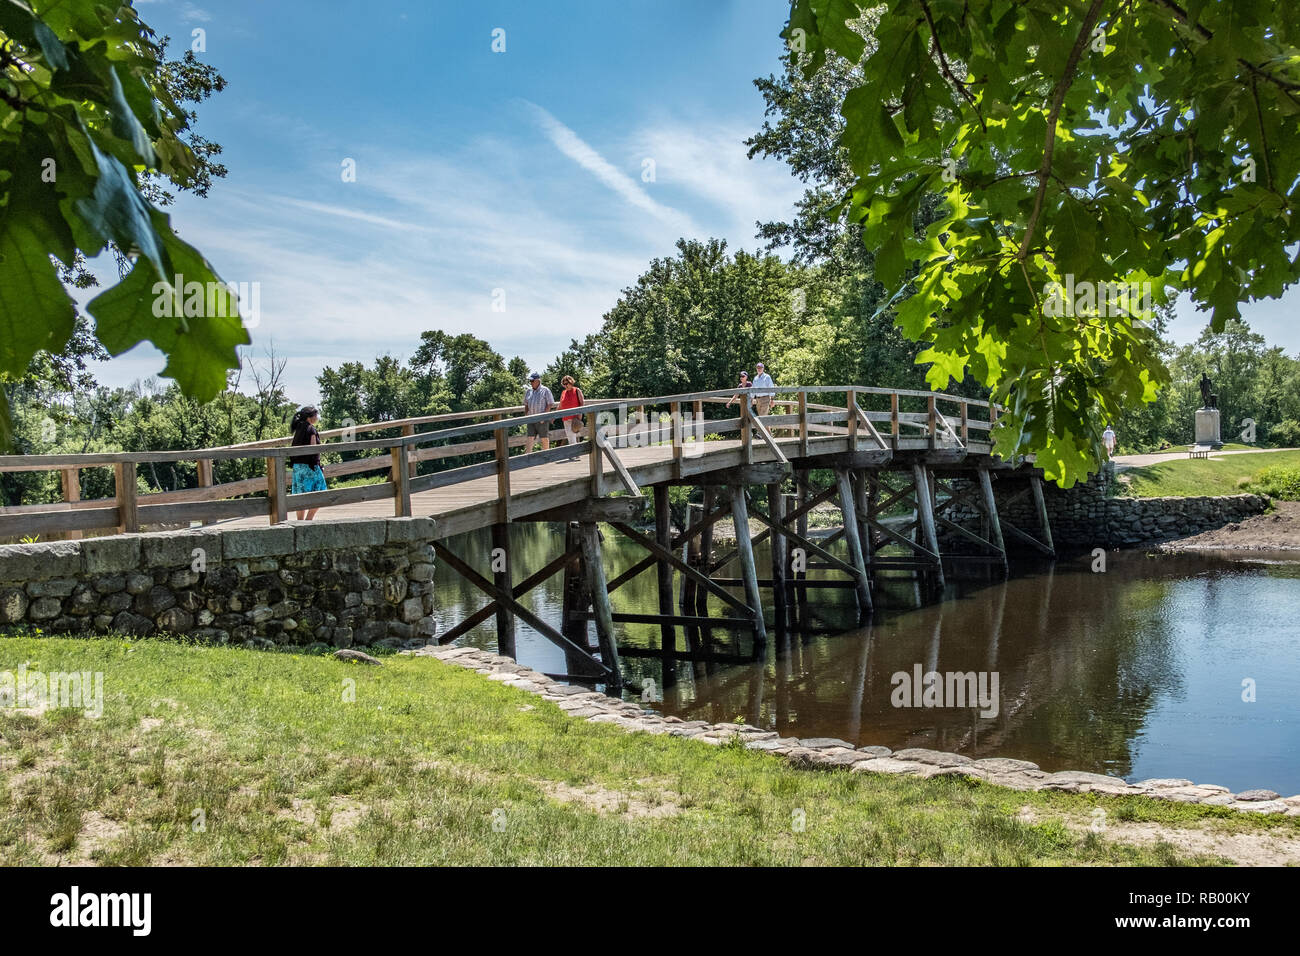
<point x="748" y="570"/>
<point x="780" y="560"/>
<point x="991" y="513"/>
<point x="803" y="424"/>
<point x="576" y="601"/>
<point x="275" y="491"/>
<point x="70" y="478"/>
<point x="595" y="573"/>
<point x="503" y="474"/>
<point x="810" y="546"/>
<point x="501" y="577"/>
<point x="848" y="509"/>
<point x="531" y="619"/>
<point x="763" y="473"/>
<point x="1044" y="524"/>
<point x="626" y="508"/>
<point x="664" y="570"/>
<point x="620" y="469"/>
<point x="204" y="468"/>
<point x="662" y="554"/>
<point x="566" y="561"/>
<point x="704" y="554"/>
<point x="1028" y="539"/>
<point x="925" y="511"/>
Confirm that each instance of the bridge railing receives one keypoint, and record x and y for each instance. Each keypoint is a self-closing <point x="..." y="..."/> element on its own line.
<point x="480" y="448"/>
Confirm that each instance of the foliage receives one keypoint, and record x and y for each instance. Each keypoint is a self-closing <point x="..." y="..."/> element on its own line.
<point x="88" y="128"/>
<point x="1071" y="141"/>
<point x="1279" y="481"/>
<point x="1181" y="477"/>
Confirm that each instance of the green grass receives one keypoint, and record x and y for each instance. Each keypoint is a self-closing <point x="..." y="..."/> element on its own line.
<point x="1231" y="475"/>
<point x="285" y="772"/>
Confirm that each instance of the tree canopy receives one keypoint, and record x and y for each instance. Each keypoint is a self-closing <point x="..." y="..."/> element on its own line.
<point x="90" y="129"/>
<point x="1092" y="159"/>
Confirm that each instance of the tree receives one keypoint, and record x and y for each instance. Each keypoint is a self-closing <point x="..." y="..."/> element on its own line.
<point x="87" y="128"/>
<point x="1076" y="144"/>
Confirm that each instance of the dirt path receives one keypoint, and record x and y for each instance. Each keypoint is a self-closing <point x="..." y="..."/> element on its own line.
<point x="1277" y="531"/>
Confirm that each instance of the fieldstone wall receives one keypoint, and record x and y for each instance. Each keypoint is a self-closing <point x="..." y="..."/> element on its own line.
<point x="337" y="582"/>
<point x="1084" y="517"/>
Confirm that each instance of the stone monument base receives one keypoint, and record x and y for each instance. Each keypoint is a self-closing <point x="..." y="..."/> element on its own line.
<point x="1207" y="429"/>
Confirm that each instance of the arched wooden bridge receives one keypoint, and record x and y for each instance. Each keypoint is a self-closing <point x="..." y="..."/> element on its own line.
<point x="856" y="434"/>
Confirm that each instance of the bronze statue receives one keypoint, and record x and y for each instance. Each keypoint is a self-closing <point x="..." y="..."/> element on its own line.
<point x="1208" y="398"/>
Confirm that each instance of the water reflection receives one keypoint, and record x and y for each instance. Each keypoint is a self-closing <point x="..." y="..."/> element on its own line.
<point x="1137" y="671"/>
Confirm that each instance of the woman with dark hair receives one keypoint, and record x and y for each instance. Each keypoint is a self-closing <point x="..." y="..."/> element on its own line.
<point x="571" y="398"/>
<point x="307" y="474"/>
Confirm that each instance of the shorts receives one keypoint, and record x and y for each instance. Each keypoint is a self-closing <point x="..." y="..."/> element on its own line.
<point x="539" y="429"/>
<point x="763" y="404"/>
<point x="307" y="478"/>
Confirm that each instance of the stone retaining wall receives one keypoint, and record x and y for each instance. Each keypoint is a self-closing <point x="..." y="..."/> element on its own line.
<point x="337" y="582"/>
<point x="829" y="752"/>
<point x="1084" y="517"/>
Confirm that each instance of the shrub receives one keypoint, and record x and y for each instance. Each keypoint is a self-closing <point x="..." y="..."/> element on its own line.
<point x="1285" y="434"/>
<point x="1279" y="482"/>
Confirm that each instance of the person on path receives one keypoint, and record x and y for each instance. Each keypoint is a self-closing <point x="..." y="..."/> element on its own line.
<point x="307" y="473"/>
<point x="1108" y="439"/>
<point x="538" y="399"/>
<point x="571" y="397"/>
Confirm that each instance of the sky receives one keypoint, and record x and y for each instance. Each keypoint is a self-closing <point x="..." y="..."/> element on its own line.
<point x="510" y="194"/>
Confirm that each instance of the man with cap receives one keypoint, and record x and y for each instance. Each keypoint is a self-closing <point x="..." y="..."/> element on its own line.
<point x="538" y="399"/>
<point x="764" y="389"/>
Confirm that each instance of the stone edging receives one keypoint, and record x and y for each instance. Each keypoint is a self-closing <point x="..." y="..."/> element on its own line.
<point x="826" y="751"/>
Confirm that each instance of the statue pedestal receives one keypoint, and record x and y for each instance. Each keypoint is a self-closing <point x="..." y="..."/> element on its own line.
<point x="1207" y="428"/>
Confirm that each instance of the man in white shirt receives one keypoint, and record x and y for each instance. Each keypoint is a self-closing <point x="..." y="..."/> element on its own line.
<point x="538" y="399"/>
<point x="1108" y="439"/>
<point x="763" y="390"/>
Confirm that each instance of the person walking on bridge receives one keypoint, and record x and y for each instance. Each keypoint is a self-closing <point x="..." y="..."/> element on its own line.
<point x="571" y="397"/>
<point x="538" y="399"/>
<point x="764" y="390"/>
<point x="307" y="473"/>
<point x="744" y="383"/>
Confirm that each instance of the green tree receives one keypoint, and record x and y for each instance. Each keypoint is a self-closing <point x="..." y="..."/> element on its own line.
<point x="1071" y="141"/>
<point x="88" y="131"/>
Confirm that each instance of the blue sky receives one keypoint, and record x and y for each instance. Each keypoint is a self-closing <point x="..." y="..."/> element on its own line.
<point x="521" y="171"/>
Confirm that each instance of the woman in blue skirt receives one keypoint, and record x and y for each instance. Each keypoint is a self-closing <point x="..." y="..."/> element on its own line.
<point x="307" y="474"/>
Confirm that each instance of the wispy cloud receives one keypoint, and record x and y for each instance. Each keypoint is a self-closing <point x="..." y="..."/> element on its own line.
<point x="571" y="145"/>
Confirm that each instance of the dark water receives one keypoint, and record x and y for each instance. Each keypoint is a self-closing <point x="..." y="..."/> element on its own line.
<point x="1138" y="671"/>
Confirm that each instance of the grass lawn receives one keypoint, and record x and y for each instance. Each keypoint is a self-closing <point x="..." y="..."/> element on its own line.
<point x="1203" y="476"/>
<point x="429" y="756"/>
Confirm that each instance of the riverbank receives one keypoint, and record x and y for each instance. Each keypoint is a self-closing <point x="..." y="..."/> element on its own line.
<point x="1277" y="530"/>
<point x="221" y="755"/>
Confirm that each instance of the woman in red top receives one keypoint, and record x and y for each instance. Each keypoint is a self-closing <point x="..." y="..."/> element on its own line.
<point x="571" y="398"/>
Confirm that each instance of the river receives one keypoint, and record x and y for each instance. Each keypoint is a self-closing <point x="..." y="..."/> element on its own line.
<point x="1159" y="666"/>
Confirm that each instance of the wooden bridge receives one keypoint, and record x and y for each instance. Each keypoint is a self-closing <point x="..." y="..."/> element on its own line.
<point x="884" y="450"/>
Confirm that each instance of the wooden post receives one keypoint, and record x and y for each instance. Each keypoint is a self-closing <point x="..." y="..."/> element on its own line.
<point x="780" y="561"/>
<point x="71" y="479"/>
<point x="925" y="512"/>
<point x="1044" y="525"/>
<point x="275" y="479"/>
<point x="204" y="468"/>
<point x="849" y="511"/>
<point x="803" y="424"/>
<point x="748" y="570"/>
<point x="704" y="553"/>
<point x="965" y="423"/>
<point x="664" y="571"/>
<point x="594" y="459"/>
<point x="851" y="406"/>
<point x="503" y="473"/>
<point x="128" y="519"/>
<point x="503" y="579"/>
<point x="576" y="601"/>
<point x="801" y="526"/>
<point x="600" y="601"/>
<point x="401" y="478"/>
<point x="932" y="424"/>
<point x="675" y="413"/>
<point x="893" y="419"/>
<point x="991" y="513"/>
<point x="860" y="507"/>
<point x="408" y="431"/>
<point x="746" y="447"/>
